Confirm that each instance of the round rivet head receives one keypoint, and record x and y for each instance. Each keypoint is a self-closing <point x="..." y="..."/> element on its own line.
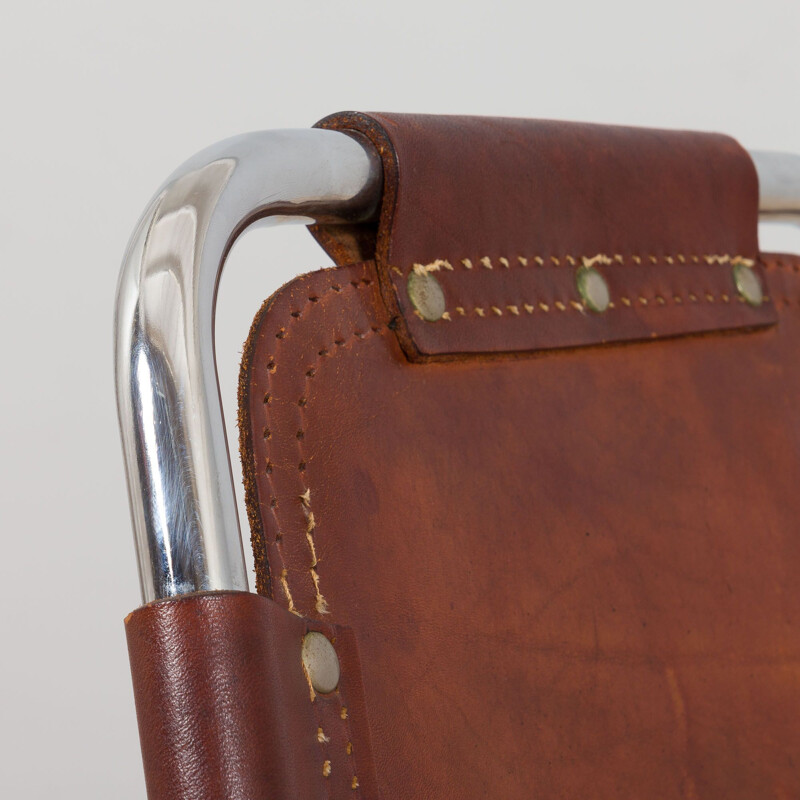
<point x="426" y="296"/>
<point x="593" y="288"/>
<point x="321" y="662"/>
<point x="748" y="284"/>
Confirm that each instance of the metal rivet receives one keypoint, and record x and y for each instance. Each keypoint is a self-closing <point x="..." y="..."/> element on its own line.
<point x="321" y="662"/>
<point x="593" y="288"/>
<point x="748" y="284"/>
<point x="426" y="295"/>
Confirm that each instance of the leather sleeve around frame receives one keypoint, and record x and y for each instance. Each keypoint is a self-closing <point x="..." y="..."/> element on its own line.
<point x="568" y="569"/>
<point x="504" y="210"/>
<point x="225" y="708"/>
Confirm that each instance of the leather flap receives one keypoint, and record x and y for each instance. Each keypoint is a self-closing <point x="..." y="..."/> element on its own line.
<point x="226" y="709"/>
<point x="505" y="211"/>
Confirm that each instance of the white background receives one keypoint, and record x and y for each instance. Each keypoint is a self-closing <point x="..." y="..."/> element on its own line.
<point x="100" y="101"/>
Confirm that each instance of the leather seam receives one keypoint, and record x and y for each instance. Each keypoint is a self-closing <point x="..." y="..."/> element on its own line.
<point x="574" y="261"/>
<point x="344" y="716"/>
<point x="782" y="265"/>
<point x="779" y="264"/>
<point x="272" y="367"/>
<point x="658" y="301"/>
<point x="324" y="354"/>
<point x="311" y="523"/>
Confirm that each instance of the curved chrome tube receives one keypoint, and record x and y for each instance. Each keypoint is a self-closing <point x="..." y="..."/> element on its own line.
<point x="176" y="456"/>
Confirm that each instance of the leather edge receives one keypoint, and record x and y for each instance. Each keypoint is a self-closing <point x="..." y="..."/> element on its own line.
<point x="358" y="123"/>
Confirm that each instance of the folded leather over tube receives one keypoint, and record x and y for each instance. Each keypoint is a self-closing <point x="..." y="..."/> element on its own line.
<point x="554" y="547"/>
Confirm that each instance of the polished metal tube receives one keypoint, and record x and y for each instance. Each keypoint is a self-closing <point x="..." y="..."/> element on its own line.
<point x="179" y="479"/>
<point x="176" y="456"/>
<point x="779" y="186"/>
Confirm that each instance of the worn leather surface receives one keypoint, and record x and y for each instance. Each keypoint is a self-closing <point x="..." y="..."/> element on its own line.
<point x="569" y="570"/>
<point x="225" y="708"/>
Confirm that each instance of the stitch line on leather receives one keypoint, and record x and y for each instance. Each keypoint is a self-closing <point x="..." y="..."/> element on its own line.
<point x="325" y="742"/>
<point x="323" y="355"/>
<point x="272" y="367"/>
<point x="285" y="586"/>
<point x="322" y="740"/>
<point x="348" y="748"/>
<point x="774" y="264"/>
<point x="491" y="311"/>
<point x="434" y="266"/>
<point x="709" y="259"/>
<point x="305" y="498"/>
<point x="783" y="266"/>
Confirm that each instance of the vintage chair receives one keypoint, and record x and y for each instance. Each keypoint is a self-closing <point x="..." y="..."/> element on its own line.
<point x="522" y="472"/>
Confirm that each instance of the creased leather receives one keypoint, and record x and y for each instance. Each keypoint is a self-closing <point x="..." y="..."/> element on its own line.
<point x="569" y="572"/>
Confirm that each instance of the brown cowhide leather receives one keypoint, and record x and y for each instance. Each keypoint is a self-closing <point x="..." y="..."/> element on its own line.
<point x="554" y="549"/>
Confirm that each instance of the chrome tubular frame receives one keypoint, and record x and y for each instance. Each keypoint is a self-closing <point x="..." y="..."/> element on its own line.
<point x="181" y="491"/>
<point x="179" y="478"/>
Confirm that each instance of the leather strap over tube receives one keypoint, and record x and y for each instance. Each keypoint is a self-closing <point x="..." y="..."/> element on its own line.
<point x="552" y="545"/>
<point x="225" y="706"/>
<point x="503" y="211"/>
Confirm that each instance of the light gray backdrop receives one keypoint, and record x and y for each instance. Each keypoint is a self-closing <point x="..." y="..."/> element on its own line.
<point x="100" y="101"/>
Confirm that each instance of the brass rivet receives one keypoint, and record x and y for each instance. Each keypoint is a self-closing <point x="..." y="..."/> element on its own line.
<point x="321" y="662"/>
<point x="748" y="284"/>
<point x="593" y="288"/>
<point x="426" y="295"/>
